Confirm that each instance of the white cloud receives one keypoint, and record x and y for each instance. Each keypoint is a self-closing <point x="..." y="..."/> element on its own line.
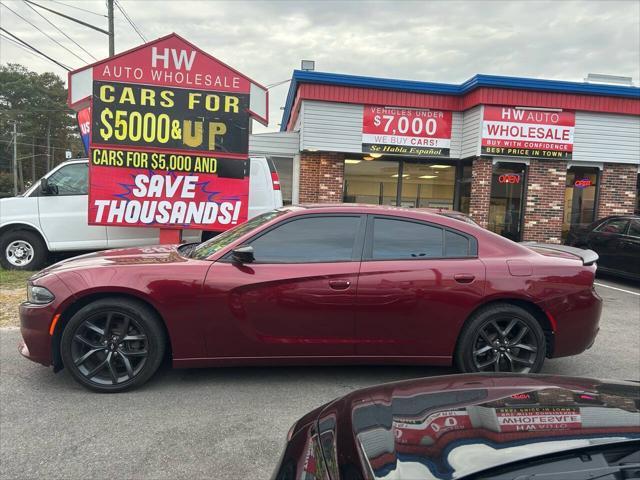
<point x="444" y="41"/>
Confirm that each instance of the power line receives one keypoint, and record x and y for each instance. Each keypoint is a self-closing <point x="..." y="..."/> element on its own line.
<point x="2" y="35"/>
<point x="98" y="29"/>
<point x="278" y="83"/>
<point x="61" y="31"/>
<point x="33" y="109"/>
<point x="79" y="8"/>
<point x="59" y="147"/>
<point x="128" y="19"/>
<point x="43" y="32"/>
<point x="35" y="49"/>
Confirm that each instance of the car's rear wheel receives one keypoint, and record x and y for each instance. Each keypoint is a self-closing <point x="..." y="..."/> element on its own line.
<point x="113" y="344"/>
<point x="501" y="338"/>
<point x="22" y="250"/>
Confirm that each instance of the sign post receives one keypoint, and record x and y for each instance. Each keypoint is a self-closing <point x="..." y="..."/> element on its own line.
<point x="168" y="133"/>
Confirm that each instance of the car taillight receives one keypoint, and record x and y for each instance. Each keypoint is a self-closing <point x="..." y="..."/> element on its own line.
<point x="276" y="180"/>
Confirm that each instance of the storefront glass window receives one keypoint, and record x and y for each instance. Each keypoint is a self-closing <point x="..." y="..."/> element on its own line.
<point x="579" y="198"/>
<point x="427" y="185"/>
<point x="420" y="184"/>
<point x="505" y="210"/>
<point x="464" y="189"/>
<point x="373" y="181"/>
<point x="638" y="195"/>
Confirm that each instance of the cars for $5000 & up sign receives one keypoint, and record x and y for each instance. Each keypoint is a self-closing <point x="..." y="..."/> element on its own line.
<point x="169" y="139"/>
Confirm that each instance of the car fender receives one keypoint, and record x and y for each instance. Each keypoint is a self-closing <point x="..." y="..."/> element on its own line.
<point x="94" y="283"/>
<point x="24" y="225"/>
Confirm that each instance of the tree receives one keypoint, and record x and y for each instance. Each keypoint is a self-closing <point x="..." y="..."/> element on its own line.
<point x="38" y="104"/>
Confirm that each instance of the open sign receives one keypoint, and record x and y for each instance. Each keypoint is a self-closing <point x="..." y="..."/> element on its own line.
<point x="509" y="178"/>
<point x="584" y="183"/>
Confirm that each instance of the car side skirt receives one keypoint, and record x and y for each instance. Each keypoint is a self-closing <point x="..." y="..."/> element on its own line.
<point x="443" y="361"/>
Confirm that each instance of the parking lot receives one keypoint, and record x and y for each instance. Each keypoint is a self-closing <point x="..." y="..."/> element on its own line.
<point x="219" y="423"/>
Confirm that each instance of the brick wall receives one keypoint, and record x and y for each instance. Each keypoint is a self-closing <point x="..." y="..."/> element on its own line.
<point x="617" y="189"/>
<point x="321" y="177"/>
<point x="544" y="202"/>
<point x="480" y="191"/>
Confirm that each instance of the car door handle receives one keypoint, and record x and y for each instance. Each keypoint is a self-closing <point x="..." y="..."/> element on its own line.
<point x="464" y="277"/>
<point x="339" y="284"/>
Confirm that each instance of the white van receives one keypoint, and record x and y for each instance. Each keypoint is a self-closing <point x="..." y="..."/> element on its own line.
<point x="35" y="223"/>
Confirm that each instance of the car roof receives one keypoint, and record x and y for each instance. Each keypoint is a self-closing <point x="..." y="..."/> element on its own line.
<point x="426" y="214"/>
<point x="624" y="216"/>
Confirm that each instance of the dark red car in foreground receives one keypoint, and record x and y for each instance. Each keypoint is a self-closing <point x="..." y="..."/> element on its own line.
<point x="310" y="285"/>
<point x="480" y="426"/>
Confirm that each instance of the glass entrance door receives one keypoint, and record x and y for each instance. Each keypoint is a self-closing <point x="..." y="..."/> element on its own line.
<point x="507" y="191"/>
<point x="579" y="198"/>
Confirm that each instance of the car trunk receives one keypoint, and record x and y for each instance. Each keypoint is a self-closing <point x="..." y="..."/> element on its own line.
<point x="588" y="257"/>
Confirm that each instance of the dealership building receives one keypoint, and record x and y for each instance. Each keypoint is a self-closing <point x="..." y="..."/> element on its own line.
<point x="525" y="158"/>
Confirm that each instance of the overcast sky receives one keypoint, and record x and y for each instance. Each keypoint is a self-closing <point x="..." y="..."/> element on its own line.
<point x="439" y="41"/>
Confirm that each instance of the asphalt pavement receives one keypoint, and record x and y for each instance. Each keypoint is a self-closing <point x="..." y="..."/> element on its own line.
<point x="227" y="423"/>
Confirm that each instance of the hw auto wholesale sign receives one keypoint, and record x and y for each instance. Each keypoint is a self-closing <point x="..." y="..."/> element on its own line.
<point x="516" y="132"/>
<point x="523" y="419"/>
<point x="169" y="137"/>
<point x="388" y="130"/>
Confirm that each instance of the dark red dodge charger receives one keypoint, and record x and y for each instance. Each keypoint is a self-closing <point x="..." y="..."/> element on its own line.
<point x="310" y="285"/>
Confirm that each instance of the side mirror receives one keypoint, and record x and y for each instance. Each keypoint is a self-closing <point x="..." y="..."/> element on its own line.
<point x="47" y="189"/>
<point x="242" y="254"/>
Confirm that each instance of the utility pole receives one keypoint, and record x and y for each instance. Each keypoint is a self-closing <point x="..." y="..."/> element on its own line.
<point x="33" y="160"/>
<point x="112" y="48"/>
<point x="15" y="158"/>
<point x="49" y="145"/>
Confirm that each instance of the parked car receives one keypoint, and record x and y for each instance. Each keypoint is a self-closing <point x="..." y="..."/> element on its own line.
<point x="42" y="221"/>
<point x="616" y="239"/>
<point x="480" y="426"/>
<point x="310" y="285"/>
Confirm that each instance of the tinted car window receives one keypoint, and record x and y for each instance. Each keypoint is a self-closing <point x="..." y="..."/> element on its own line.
<point x="399" y="239"/>
<point x="617" y="225"/>
<point x="71" y="179"/>
<point x="634" y="228"/>
<point x="456" y="245"/>
<point x="306" y="240"/>
<point x="217" y="243"/>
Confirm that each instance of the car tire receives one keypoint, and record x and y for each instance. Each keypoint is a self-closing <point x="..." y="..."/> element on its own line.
<point x="22" y="250"/>
<point x="501" y="338"/>
<point x="113" y="344"/>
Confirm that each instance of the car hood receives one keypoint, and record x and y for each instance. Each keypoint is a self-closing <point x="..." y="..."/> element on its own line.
<point x="152" y="255"/>
<point x="458" y="425"/>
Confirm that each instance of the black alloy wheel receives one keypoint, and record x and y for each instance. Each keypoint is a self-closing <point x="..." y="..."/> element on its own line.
<point x="109" y="348"/>
<point x="505" y="344"/>
<point x="502" y="338"/>
<point x="112" y="345"/>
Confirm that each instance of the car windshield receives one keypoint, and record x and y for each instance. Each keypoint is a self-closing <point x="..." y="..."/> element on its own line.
<point x="618" y="459"/>
<point x="208" y="248"/>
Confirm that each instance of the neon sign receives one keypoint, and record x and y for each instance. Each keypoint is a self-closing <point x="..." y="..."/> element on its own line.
<point x="509" y="178"/>
<point x="584" y="183"/>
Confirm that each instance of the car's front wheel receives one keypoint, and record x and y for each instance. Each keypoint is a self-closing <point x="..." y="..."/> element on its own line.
<point x="113" y="344"/>
<point x="501" y="338"/>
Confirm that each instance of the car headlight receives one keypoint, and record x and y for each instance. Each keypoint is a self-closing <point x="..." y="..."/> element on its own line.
<point x="39" y="295"/>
